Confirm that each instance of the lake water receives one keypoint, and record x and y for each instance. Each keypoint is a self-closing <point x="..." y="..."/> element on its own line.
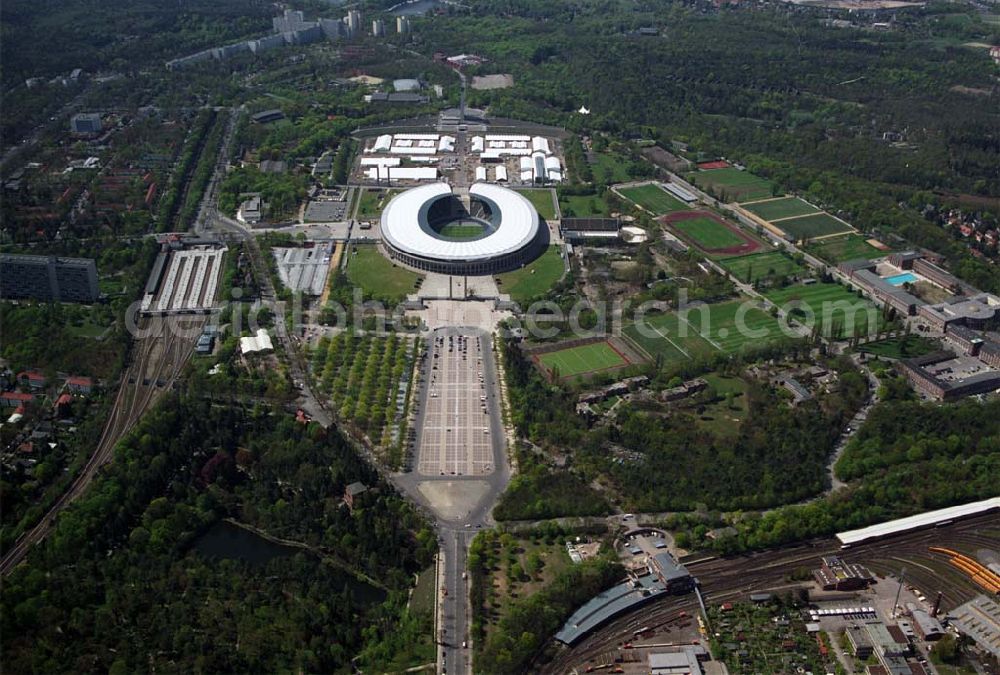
<point x="415" y="8"/>
<point x="225" y="540"/>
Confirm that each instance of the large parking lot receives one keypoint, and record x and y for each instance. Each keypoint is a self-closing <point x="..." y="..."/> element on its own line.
<point x="456" y="434"/>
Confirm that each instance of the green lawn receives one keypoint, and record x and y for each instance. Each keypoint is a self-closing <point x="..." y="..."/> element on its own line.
<point x="372" y="203"/>
<point x="583" y="206"/>
<point x="707" y="233"/>
<point x="705" y="330"/>
<point x="785" y="207"/>
<point x="370" y="270"/>
<point x="609" y="168"/>
<point x="839" y="249"/>
<point x="759" y="266"/>
<point x="535" y="278"/>
<point x="901" y="348"/>
<point x="88" y="329"/>
<point x="733" y="185"/>
<point x="720" y="417"/>
<point x="461" y="231"/>
<point x="582" y="359"/>
<point x="422" y="597"/>
<point x="817" y="225"/>
<point x="542" y="201"/>
<point x="838" y="311"/>
<point x="653" y="198"/>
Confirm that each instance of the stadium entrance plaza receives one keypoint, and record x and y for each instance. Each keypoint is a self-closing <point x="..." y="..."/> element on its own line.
<point x="459" y="461"/>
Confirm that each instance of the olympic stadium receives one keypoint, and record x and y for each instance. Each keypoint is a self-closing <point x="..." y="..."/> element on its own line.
<point x="491" y="229"/>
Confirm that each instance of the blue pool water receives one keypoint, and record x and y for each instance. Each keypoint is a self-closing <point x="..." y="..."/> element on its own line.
<point x="900" y="279"/>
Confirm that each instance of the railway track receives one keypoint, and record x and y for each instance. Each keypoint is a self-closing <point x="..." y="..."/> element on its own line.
<point x="158" y="359"/>
<point x="728" y="579"/>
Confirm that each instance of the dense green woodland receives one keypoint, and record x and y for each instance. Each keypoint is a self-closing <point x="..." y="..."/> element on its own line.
<point x="798" y="101"/>
<point x="683" y="465"/>
<point x="117" y="587"/>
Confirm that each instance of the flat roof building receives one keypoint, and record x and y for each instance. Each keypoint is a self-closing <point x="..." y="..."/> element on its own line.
<point x="836" y="575"/>
<point x="980" y="311"/>
<point x="980" y="620"/>
<point x="48" y="278"/>
<point x="265" y="116"/>
<point x="86" y="123"/>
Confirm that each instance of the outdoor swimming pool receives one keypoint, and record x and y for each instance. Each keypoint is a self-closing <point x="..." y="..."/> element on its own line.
<point x="900" y="279"/>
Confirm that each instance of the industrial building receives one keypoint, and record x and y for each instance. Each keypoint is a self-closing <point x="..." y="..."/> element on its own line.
<point x="980" y="620"/>
<point x="684" y="661"/>
<point x="665" y="576"/>
<point x="836" y="575"/>
<point x="48" y="278"/>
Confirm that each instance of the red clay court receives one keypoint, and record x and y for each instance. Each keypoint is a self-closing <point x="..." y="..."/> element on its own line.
<point x="711" y="234"/>
<point x="717" y="164"/>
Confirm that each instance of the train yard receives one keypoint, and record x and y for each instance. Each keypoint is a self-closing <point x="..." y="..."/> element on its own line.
<point x="733" y="578"/>
<point x="160" y="351"/>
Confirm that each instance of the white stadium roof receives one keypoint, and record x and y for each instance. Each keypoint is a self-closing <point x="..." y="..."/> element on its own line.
<point x="917" y="521"/>
<point x="404" y="224"/>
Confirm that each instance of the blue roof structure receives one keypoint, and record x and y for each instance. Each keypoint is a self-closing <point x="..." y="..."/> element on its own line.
<point x="609" y="604"/>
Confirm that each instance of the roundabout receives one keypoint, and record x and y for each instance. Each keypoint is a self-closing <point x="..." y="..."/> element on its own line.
<point x="487" y="230"/>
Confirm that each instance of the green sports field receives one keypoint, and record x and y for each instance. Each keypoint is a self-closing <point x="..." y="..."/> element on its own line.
<point x="848" y="247"/>
<point x="706" y="330"/>
<point x="583" y="359"/>
<point x="541" y="199"/>
<point x="707" y="233"/>
<point x="583" y="206"/>
<point x="817" y="225"/>
<point x="461" y="231"/>
<point x="837" y="310"/>
<point x="733" y="185"/>
<point x="759" y="266"/>
<point x="785" y="207"/>
<point x="653" y="198"/>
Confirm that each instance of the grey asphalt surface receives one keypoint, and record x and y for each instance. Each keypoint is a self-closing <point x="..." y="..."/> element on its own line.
<point x="456" y="532"/>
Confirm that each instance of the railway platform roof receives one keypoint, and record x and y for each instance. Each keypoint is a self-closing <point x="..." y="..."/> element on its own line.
<point x="927" y="519"/>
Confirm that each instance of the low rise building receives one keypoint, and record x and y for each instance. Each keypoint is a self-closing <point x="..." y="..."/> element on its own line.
<point x="86" y="123"/>
<point x="674" y="576"/>
<point x="836" y="575"/>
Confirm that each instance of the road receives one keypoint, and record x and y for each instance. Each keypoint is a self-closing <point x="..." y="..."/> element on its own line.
<point x="157" y="359"/>
<point x="460" y="504"/>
